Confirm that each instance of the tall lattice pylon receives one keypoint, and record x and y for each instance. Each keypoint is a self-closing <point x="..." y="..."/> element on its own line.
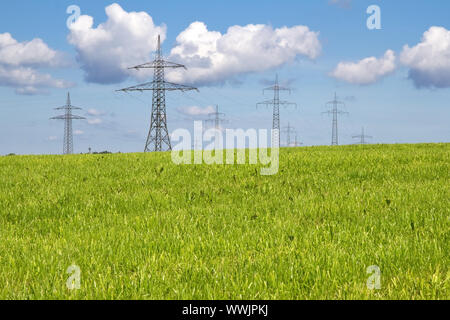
<point x="158" y="138"/>
<point x="68" y="117"/>
<point x="362" y="137"/>
<point x="335" y="112"/>
<point x="276" y="103"/>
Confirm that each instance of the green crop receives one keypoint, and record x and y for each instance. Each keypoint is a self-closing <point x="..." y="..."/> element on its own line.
<point x="140" y="227"/>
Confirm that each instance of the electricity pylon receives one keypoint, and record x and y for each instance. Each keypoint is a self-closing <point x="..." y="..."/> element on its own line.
<point x="158" y="138"/>
<point x="335" y="112"/>
<point x="288" y="130"/>
<point x="68" y="117"/>
<point x="276" y="103"/>
<point x="362" y="137"/>
<point x="216" y="118"/>
<point x="296" y="142"/>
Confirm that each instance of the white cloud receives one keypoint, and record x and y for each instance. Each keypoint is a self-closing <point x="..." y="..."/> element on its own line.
<point x="34" y="53"/>
<point x="196" y="111"/>
<point x="212" y="57"/>
<point x="124" y="40"/>
<point x="95" y="121"/>
<point x="128" y="38"/>
<point x="95" y="113"/>
<point x="18" y="63"/>
<point x="429" y="61"/>
<point x="27" y="80"/>
<point x="366" y="71"/>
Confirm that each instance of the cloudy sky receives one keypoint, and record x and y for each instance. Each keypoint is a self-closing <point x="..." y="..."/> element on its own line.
<point x="395" y="81"/>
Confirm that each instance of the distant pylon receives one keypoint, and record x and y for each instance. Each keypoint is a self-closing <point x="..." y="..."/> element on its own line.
<point x="335" y="112"/>
<point x="362" y="137"/>
<point x="288" y="130"/>
<point x="216" y="118"/>
<point x="276" y="103"/>
<point x="68" y="117"/>
<point x="296" y="142"/>
<point x="158" y="138"/>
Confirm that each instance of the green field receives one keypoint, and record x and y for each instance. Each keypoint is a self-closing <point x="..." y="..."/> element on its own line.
<point x="141" y="227"/>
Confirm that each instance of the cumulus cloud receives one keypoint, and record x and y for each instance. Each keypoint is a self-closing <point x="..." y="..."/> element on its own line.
<point x="95" y="113"/>
<point x="78" y="132"/>
<point x="366" y="71"/>
<point x="196" y="111"/>
<point x="34" y="53"/>
<point x="213" y="57"/>
<point x="429" y="61"/>
<point x="124" y="40"/>
<point x="128" y="38"/>
<point x="19" y="61"/>
<point x="95" y="121"/>
<point x="28" y="81"/>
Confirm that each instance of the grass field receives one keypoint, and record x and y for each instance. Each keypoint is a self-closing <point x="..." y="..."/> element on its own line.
<point x="140" y="227"/>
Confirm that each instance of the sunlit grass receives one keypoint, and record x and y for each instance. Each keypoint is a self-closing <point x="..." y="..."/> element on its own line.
<point x="140" y="227"/>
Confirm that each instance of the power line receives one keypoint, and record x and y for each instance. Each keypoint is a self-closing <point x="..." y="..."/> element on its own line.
<point x="362" y="137"/>
<point x="158" y="138"/>
<point x="335" y="112"/>
<point x="68" y="117"/>
<point x="276" y="103"/>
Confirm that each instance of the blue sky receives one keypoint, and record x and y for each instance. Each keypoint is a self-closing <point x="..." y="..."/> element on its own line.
<point x="391" y="106"/>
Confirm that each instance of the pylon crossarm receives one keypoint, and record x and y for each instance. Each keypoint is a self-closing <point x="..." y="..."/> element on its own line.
<point x="64" y="117"/>
<point x="276" y="88"/>
<point x="216" y="115"/>
<point x="336" y="102"/>
<point x="265" y="103"/>
<point x="337" y="111"/>
<point x="156" y="85"/>
<point x="174" y="86"/>
<point x="159" y="64"/>
<point x="288" y="103"/>
<point x="68" y="107"/>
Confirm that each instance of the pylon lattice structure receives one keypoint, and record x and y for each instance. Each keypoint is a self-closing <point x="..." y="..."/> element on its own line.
<point x="158" y="138"/>
<point x="276" y="103"/>
<point x="296" y="142"/>
<point x="335" y="112"/>
<point x="68" y="117"/>
<point x="216" y="118"/>
<point x="362" y="137"/>
<point x="289" y="130"/>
